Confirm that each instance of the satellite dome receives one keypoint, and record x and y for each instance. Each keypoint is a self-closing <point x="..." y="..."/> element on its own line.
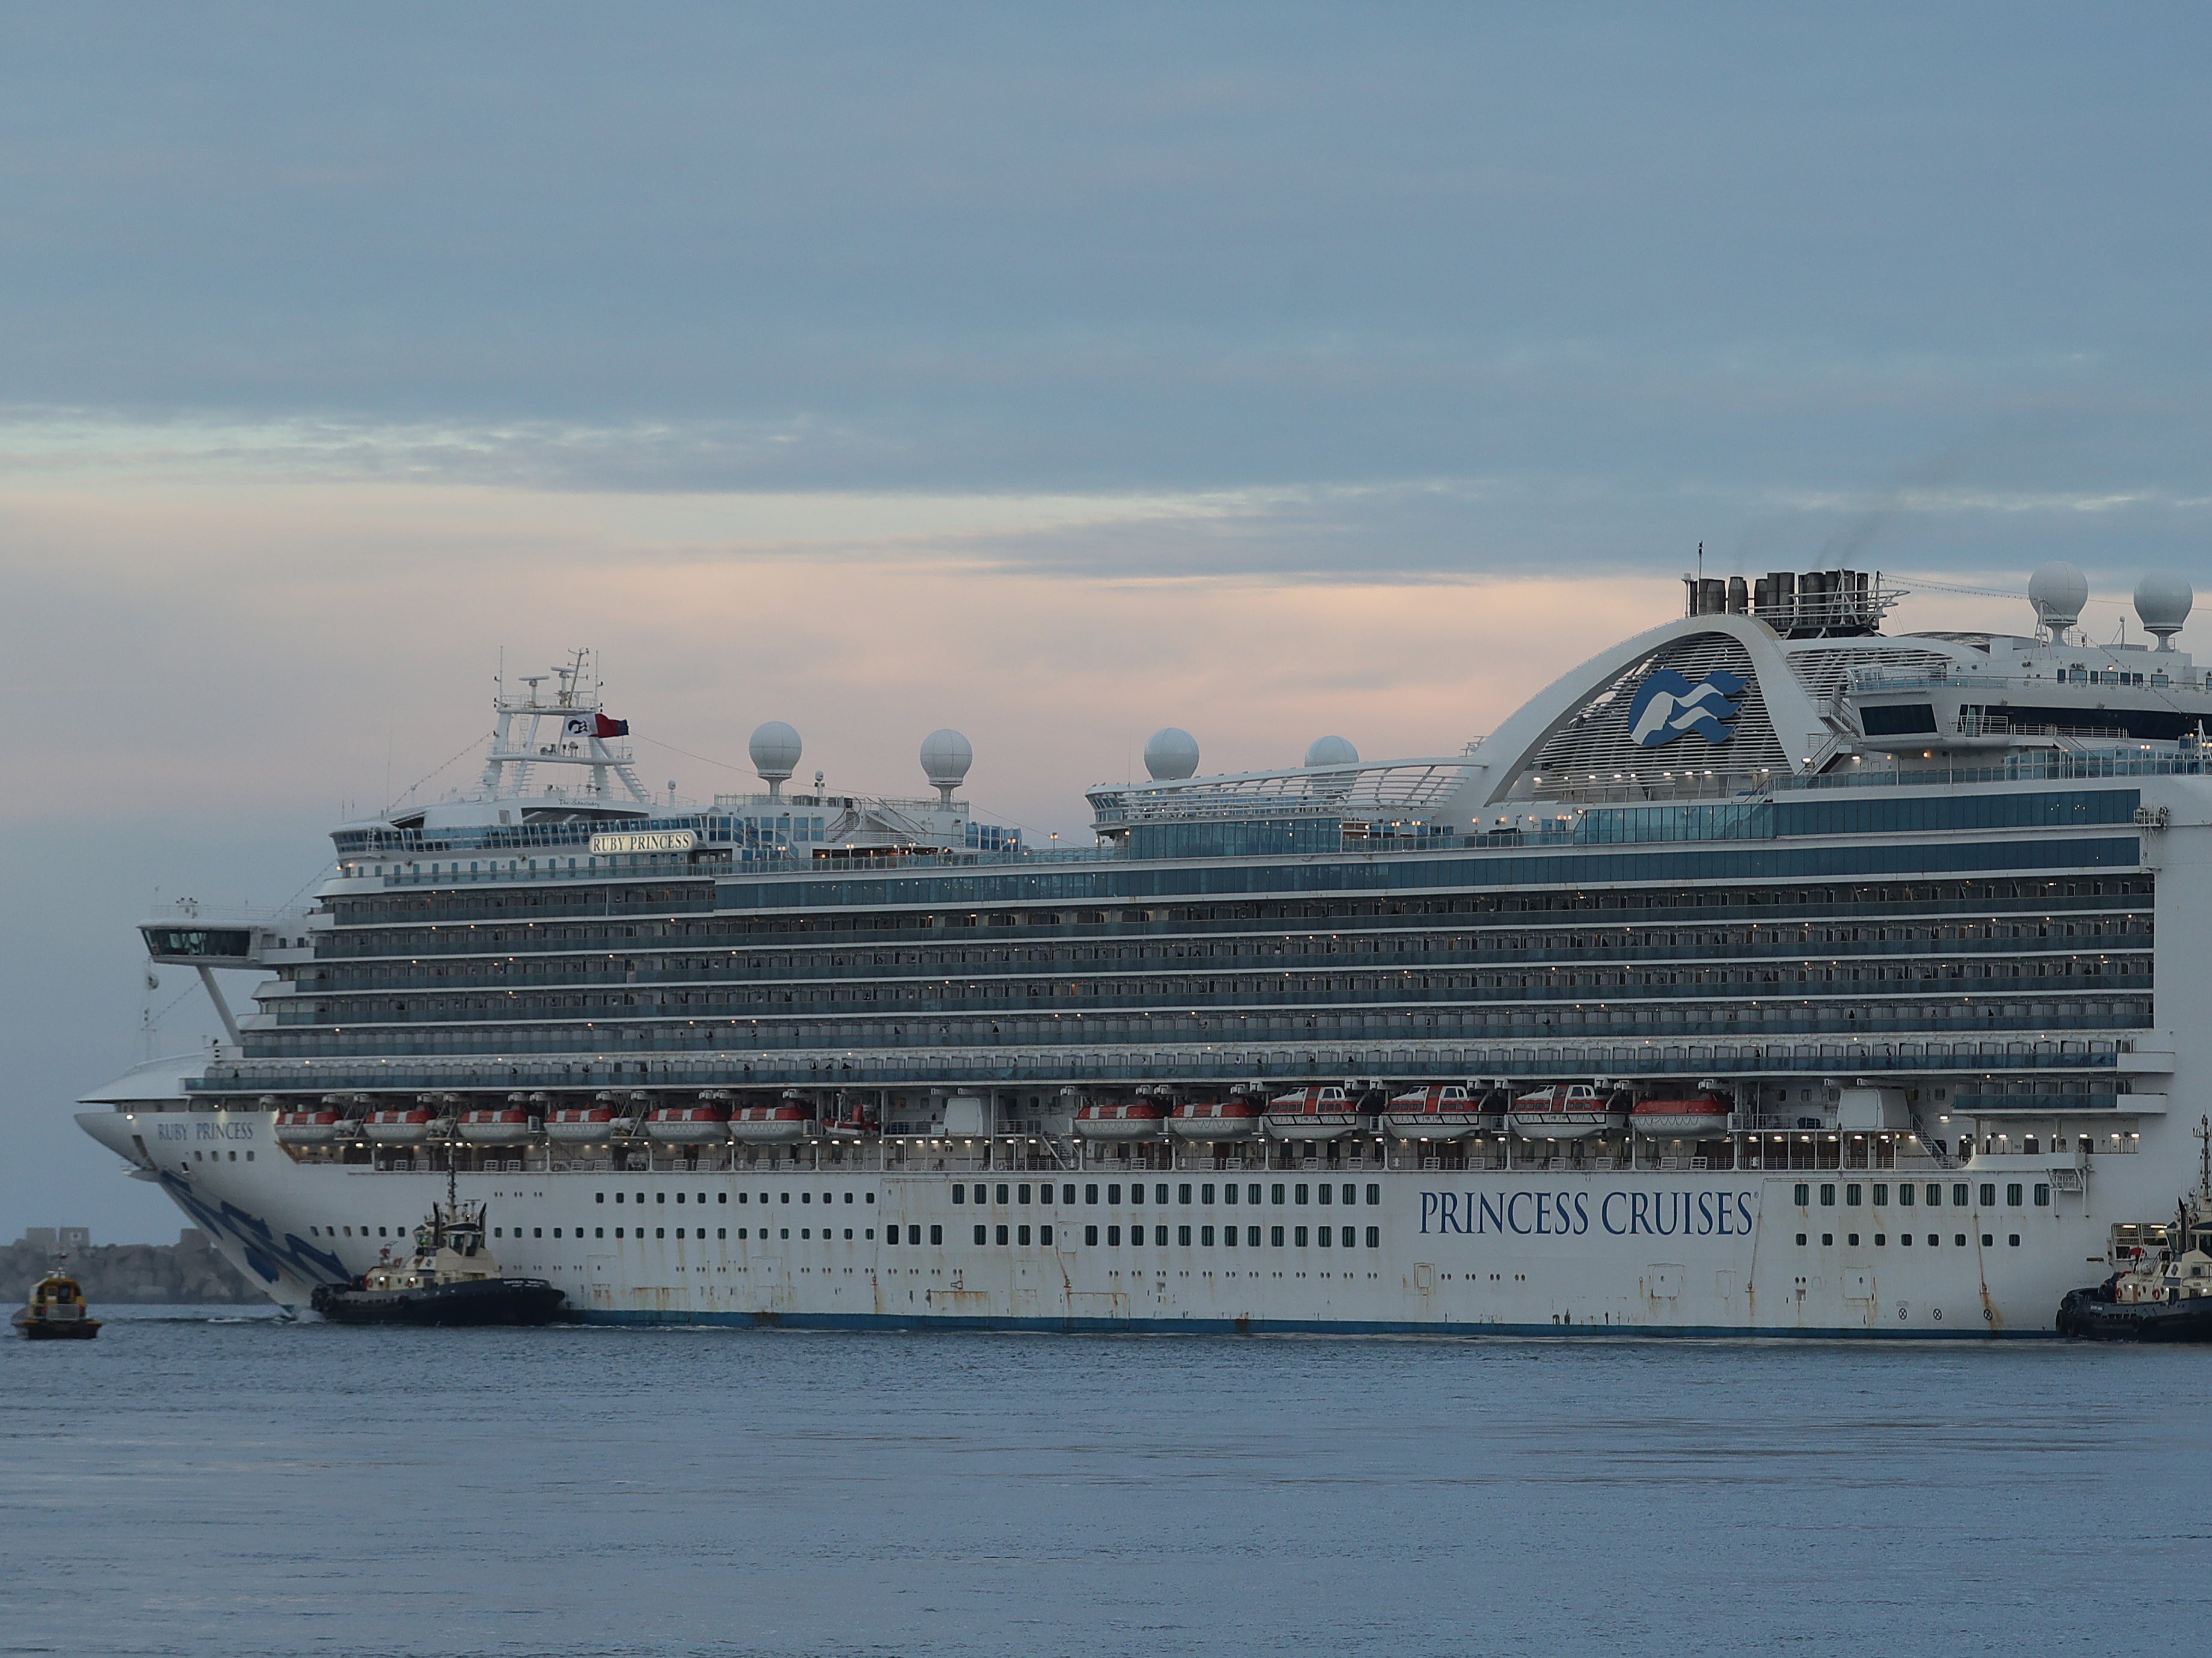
<point x="2059" y="592"/>
<point x="2163" y="601"/>
<point x="945" y="757"/>
<point x="775" y="749"/>
<point x="1332" y="751"/>
<point x="1170" y="755"/>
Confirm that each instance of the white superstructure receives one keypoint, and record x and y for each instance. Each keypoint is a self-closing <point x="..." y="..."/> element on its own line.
<point x="1896" y="935"/>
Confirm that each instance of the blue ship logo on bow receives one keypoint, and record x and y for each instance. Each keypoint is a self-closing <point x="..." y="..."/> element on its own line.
<point x="1667" y="705"/>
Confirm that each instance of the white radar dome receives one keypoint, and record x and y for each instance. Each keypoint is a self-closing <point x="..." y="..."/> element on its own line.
<point x="2163" y="601"/>
<point x="945" y="757"/>
<point x="775" y="750"/>
<point x="1170" y="755"/>
<point x="2059" y="592"/>
<point x="1332" y="751"/>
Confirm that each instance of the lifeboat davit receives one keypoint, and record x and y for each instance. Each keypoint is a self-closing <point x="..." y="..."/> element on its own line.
<point x="1441" y="1111"/>
<point x="1315" y="1113"/>
<point x="705" y="1121"/>
<point x="1131" y="1119"/>
<point x="789" y="1119"/>
<point x="1236" y="1118"/>
<point x="1570" y="1112"/>
<point x="1700" y="1117"/>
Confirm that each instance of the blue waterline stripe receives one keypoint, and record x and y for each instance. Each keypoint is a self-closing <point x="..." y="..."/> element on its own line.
<point x="1733" y="865"/>
<point x="1277" y="1326"/>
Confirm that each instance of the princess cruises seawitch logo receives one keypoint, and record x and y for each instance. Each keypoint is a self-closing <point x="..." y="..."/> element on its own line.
<point x="1666" y="705"/>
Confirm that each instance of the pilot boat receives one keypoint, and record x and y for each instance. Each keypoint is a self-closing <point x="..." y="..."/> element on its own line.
<point x="1570" y="1112"/>
<point x="56" y="1312"/>
<point x="451" y="1278"/>
<point x="1441" y="1111"/>
<point x="1317" y="1113"/>
<point x="1699" y="1117"/>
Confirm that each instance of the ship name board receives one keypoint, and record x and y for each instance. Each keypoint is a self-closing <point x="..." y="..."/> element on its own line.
<point x="646" y="841"/>
<point x="1719" y="1214"/>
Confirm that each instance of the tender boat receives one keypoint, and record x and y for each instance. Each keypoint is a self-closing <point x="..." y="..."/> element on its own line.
<point x="1699" y="1117"/>
<point x="1569" y="1111"/>
<point x="451" y="1278"/>
<point x="56" y="1311"/>
<point x="1130" y="1120"/>
<point x="1441" y="1111"/>
<point x="1239" y="1117"/>
<point x="1317" y="1113"/>
<point x="789" y="1119"/>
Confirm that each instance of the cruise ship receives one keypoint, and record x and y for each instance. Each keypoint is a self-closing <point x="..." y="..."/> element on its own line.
<point x="1767" y="974"/>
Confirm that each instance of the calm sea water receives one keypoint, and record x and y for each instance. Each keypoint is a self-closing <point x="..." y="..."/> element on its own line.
<point x="202" y="1482"/>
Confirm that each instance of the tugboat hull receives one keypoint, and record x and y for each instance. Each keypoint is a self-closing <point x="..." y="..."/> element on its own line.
<point x="40" y="1329"/>
<point x="2084" y="1315"/>
<point x="480" y="1301"/>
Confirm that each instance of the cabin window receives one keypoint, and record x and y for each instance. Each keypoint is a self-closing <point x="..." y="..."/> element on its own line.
<point x="720" y="1197"/>
<point x="890" y="1235"/>
<point x="1827" y="1197"/>
<point x="1801" y="1240"/>
<point x="1001" y="1195"/>
<point x="1113" y="1194"/>
<point x="1374" y="1196"/>
<point x="1989" y="1194"/>
<point x="598" y="1231"/>
<point x="679" y="1197"/>
<point x="1275" y="1237"/>
<point x="1183" y="1234"/>
<point x="1252" y="1193"/>
<point x="1828" y="1240"/>
<point x="1206" y="1195"/>
<point x="1851" y="1194"/>
<point x="1959" y="1198"/>
<point x="1113" y="1235"/>
<point x="2014" y="1240"/>
<point x="2042" y="1197"/>
<point x="936" y="1235"/>
<point x="1988" y="1242"/>
<point x="1022" y="1193"/>
<point x="745" y="1197"/>
<point x="1228" y="1237"/>
<point x="1002" y="1234"/>
<point x="662" y="1232"/>
<point x="2013" y="1195"/>
<point x="1324" y="1239"/>
<point x="1021" y="1236"/>
<point x="1298" y="1194"/>
<point x="914" y="1235"/>
<point x="618" y="1197"/>
<point x="535" y="1231"/>
<point x="872" y="1197"/>
<point x="1374" y="1233"/>
<point x="1183" y="1193"/>
<point x="1091" y="1234"/>
<point x="1803" y="1195"/>
<point x="959" y="1194"/>
<point x="1252" y="1236"/>
<point x="1205" y="1237"/>
<point x="1852" y="1239"/>
<point x="1905" y="1194"/>
<point x="1090" y="1194"/>
<point x="1324" y="1193"/>
<point x="1044" y="1235"/>
<point x="720" y="1232"/>
<point x="1881" y="1196"/>
<point x="1299" y="1237"/>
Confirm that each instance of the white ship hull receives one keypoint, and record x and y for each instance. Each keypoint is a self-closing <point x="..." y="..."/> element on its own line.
<point x="1637" y="1252"/>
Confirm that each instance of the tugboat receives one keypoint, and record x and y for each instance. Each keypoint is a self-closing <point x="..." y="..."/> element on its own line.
<point x="2163" y="1296"/>
<point x="56" y="1312"/>
<point x="450" y="1280"/>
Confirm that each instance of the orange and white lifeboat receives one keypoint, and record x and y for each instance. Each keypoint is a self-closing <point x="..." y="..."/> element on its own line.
<point x="791" y="1118"/>
<point x="336" y="1117"/>
<point x="705" y="1121"/>
<point x="580" y="1125"/>
<point x="1236" y="1118"/>
<point x="1699" y="1117"/>
<point x="1123" y="1119"/>
<point x="510" y="1124"/>
<point x="1441" y="1111"/>
<point x="851" y="1122"/>
<point x="1317" y="1113"/>
<point x="1569" y="1111"/>
<point x="401" y="1126"/>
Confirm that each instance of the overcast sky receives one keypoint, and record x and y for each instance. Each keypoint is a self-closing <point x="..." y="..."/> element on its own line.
<point x="1269" y="370"/>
